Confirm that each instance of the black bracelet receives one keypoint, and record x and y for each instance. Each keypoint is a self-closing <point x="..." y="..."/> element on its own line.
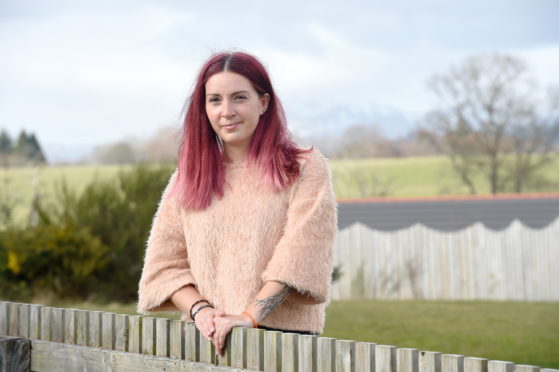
<point x="200" y="308"/>
<point x="194" y="304"/>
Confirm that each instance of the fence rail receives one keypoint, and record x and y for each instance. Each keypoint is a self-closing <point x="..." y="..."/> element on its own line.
<point x="72" y="340"/>
<point x="517" y="263"/>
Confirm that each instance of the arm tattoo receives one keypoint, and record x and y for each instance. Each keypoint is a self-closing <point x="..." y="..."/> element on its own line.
<point x="268" y="304"/>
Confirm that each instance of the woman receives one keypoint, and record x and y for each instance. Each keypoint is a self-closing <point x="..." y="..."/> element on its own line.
<point x="244" y="231"/>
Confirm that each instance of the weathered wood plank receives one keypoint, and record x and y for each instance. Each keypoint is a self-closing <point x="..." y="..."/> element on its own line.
<point x="385" y="358"/>
<point x="46" y="323"/>
<point x="23" y="326"/>
<point x="307" y="353"/>
<point x="57" y="328"/>
<point x="238" y="347"/>
<point x="429" y="361"/>
<point x="108" y="331"/>
<point x="225" y="359"/>
<point x="135" y="333"/>
<point x="122" y="332"/>
<point x="499" y="366"/>
<point x="176" y="339"/>
<point x="82" y="327"/>
<point x="345" y="356"/>
<point x="35" y="322"/>
<point x="364" y="357"/>
<point x="163" y="337"/>
<point x="191" y="343"/>
<point x="13" y="319"/>
<point x="452" y="363"/>
<point x="325" y="354"/>
<point x="526" y="368"/>
<point x="289" y="352"/>
<point x="255" y="349"/>
<point x="4" y="317"/>
<point x="407" y="360"/>
<point x="48" y="356"/>
<point x="95" y="331"/>
<point x="207" y="350"/>
<point x="272" y="351"/>
<point x="148" y="335"/>
<point x="475" y="364"/>
<point x="15" y="354"/>
<point x="70" y="326"/>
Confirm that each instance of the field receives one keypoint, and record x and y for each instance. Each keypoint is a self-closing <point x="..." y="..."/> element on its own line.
<point x="524" y="333"/>
<point x="410" y="177"/>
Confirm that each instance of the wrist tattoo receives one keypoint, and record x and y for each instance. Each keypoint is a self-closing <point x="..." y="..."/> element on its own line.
<point x="268" y="304"/>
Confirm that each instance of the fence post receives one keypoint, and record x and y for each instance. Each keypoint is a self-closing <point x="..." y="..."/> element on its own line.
<point x="499" y="366"/>
<point x="162" y="337"/>
<point x="176" y="347"/>
<point x="364" y="357"/>
<point x="70" y="326"/>
<point x="345" y="356"/>
<point x="325" y="354"/>
<point x="122" y="332"/>
<point x="34" y="322"/>
<point x="289" y="349"/>
<point x="407" y="360"/>
<point x="475" y="364"/>
<point x="135" y="339"/>
<point x="148" y="335"/>
<point x="272" y="351"/>
<point x="307" y="353"/>
<point x="255" y="349"/>
<point x="385" y="358"/>
<point x="191" y="343"/>
<point x="238" y="347"/>
<point x="452" y="363"/>
<point x="429" y="361"/>
<point x="94" y="333"/>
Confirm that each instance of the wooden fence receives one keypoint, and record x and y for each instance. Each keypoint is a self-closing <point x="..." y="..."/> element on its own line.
<point x="517" y="263"/>
<point x="80" y="340"/>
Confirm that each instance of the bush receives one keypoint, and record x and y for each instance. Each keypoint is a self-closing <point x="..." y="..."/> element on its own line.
<point x="59" y="260"/>
<point x="119" y="213"/>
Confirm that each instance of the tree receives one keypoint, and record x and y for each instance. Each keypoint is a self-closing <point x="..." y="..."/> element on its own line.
<point x="491" y="122"/>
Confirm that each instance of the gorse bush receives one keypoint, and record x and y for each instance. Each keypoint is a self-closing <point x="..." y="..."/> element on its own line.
<point x="87" y="245"/>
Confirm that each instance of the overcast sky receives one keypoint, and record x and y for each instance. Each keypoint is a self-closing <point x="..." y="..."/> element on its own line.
<point x="81" y="73"/>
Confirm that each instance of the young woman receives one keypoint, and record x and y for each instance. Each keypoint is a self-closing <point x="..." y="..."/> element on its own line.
<point x="244" y="231"/>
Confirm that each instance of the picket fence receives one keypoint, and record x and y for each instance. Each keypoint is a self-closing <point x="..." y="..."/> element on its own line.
<point x="80" y="340"/>
<point x="516" y="263"/>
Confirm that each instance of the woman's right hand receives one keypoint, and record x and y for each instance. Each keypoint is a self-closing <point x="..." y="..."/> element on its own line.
<point x="204" y="321"/>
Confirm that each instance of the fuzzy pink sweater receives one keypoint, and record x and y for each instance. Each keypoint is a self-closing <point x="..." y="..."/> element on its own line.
<point x="250" y="236"/>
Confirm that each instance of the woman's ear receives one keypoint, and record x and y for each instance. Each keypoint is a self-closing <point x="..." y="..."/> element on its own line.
<point x="264" y="100"/>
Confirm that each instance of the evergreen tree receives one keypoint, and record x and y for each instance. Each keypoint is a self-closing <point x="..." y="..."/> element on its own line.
<point x="35" y="151"/>
<point x="6" y="146"/>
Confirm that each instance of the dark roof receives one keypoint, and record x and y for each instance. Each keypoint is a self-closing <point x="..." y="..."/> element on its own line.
<point x="449" y="214"/>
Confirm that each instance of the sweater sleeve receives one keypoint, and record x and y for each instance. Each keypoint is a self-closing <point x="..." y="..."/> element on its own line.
<point x="166" y="268"/>
<point x="302" y="258"/>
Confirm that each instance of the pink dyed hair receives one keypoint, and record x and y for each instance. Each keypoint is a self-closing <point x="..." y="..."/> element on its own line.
<point x="201" y="172"/>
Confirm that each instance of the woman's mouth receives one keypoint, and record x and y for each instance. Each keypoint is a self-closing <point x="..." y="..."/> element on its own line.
<point x="230" y="126"/>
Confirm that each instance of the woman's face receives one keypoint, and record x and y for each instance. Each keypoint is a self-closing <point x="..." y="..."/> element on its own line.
<point x="234" y="108"/>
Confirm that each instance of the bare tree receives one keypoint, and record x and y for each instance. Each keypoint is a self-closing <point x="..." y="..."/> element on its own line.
<point x="491" y="122"/>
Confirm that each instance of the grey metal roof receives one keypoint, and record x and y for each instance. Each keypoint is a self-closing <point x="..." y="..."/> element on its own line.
<point x="449" y="215"/>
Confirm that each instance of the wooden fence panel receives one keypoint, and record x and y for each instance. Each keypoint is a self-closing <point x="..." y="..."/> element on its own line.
<point x="34" y="321"/>
<point x="326" y="353"/>
<point x="516" y="263"/>
<point x="162" y="337"/>
<point x="499" y="366"/>
<point x="255" y="349"/>
<point x="345" y="356"/>
<point x="108" y="331"/>
<point x="272" y="351"/>
<point x="452" y="363"/>
<point x="70" y="326"/>
<point x="307" y="353"/>
<point x="238" y="347"/>
<point x="148" y="335"/>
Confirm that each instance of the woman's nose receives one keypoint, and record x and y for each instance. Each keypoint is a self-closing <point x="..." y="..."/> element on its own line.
<point x="227" y="109"/>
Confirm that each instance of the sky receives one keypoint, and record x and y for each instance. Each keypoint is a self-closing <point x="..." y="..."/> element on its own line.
<point x="83" y="73"/>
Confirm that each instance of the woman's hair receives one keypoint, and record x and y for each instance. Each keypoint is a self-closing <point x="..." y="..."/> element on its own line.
<point x="201" y="172"/>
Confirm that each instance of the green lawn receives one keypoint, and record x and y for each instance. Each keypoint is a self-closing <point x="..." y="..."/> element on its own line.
<point x="409" y="177"/>
<point x="520" y="332"/>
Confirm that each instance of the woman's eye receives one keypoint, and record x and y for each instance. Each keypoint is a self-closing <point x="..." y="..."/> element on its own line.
<point x="241" y="97"/>
<point x="214" y="99"/>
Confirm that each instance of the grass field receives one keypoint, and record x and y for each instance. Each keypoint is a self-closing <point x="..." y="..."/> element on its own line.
<point x="520" y="332"/>
<point x="410" y="177"/>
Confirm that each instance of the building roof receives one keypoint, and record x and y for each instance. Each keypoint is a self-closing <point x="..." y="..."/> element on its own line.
<point x="450" y="213"/>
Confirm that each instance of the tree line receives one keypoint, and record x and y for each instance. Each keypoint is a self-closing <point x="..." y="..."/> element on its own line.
<point x="24" y="150"/>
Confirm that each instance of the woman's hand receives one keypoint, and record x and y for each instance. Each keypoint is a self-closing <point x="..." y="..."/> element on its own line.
<point x="223" y="325"/>
<point x="205" y="321"/>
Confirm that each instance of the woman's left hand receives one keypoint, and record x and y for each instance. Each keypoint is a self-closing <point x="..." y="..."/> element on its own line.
<point x="223" y="325"/>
